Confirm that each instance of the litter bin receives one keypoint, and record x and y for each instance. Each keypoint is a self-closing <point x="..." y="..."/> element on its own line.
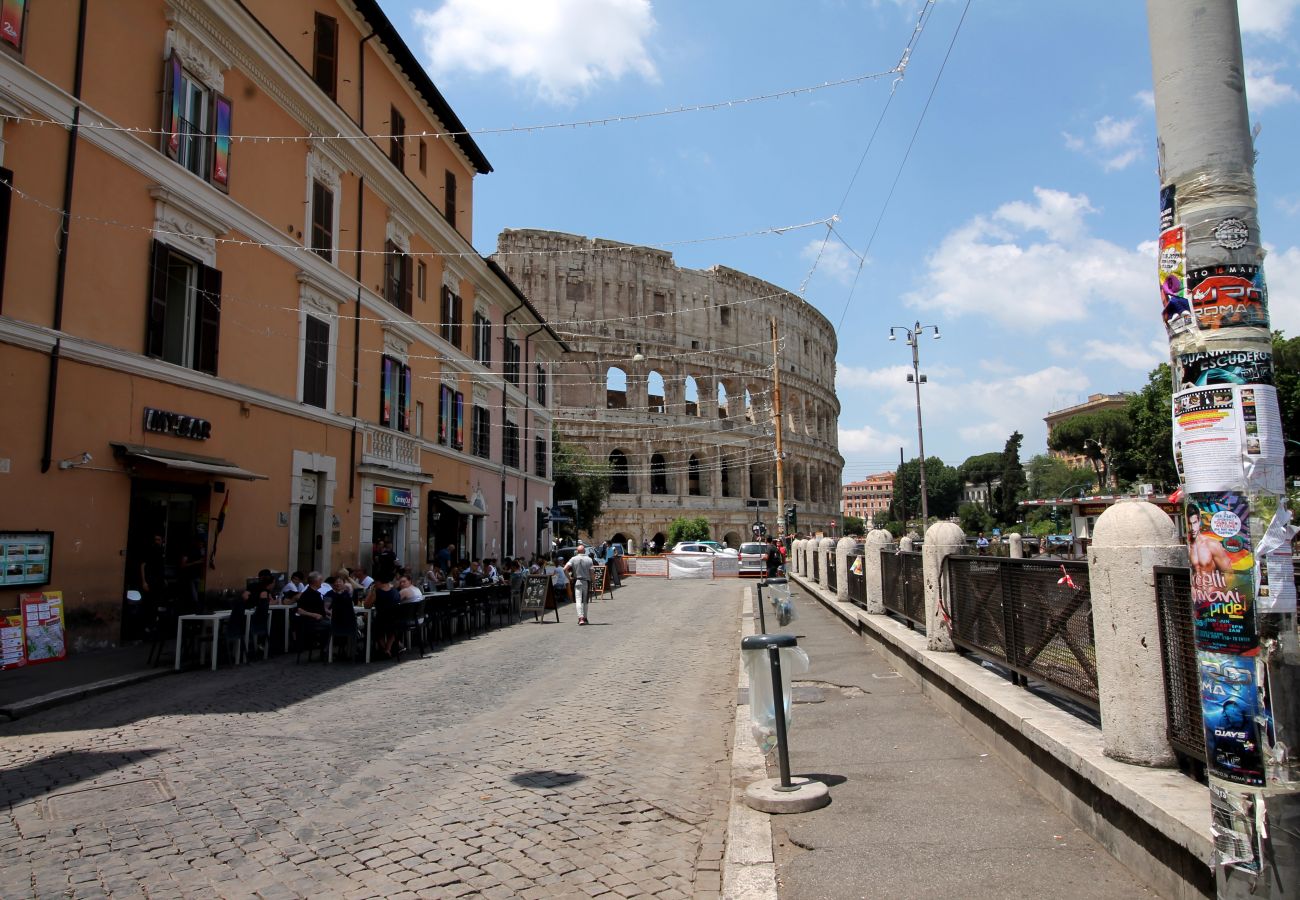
<point x="770" y="660"/>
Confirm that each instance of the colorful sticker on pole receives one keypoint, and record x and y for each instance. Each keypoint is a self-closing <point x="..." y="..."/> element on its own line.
<point x="1208" y="368"/>
<point x="1223" y="563"/>
<point x="1228" y="296"/>
<point x="13" y="648"/>
<point x="43" y="624"/>
<point x="1229" y="437"/>
<point x="1168" y="211"/>
<point x="1229" y="701"/>
<point x="1234" y="820"/>
<point x="1173" y="282"/>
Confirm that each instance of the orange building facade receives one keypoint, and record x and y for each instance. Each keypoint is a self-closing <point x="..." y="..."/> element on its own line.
<point x="295" y="331"/>
<point x="868" y="498"/>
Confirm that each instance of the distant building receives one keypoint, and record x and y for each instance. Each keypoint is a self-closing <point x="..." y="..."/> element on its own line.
<point x="979" y="491"/>
<point x="866" y="498"/>
<point x="1094" y="403"/>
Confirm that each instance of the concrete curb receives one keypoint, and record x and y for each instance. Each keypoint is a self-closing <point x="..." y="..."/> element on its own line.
<point x="1154" y="821"/>
<point x="68" y="695"/>
<point x="748" y="867"/>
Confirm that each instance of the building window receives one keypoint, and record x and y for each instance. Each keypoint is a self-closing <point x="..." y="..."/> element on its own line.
<point x="325" y="55"/>
<point x="419" y="418"/>
<point x="316" y="363"/>
<point x="619" y="483"/>
<point x="421" y="279"/>
<point x="196" y="125"/>
<point x="539" y="456"/>
<point x="322" y="221"/>
<point x="397" y="139"/>
<point x="726" y="315"/>
<point x="511" y="361"/>
<point x="482" y="339"/>
<point x="658" y="475"/>
<point x="481" y="434"/>
<point x="451" y="316"/>
<point x="540" y="374"/>
<point x="397" y="277"/>
<point x="395" y="395"/>
<point x="424" y="156"/>
<point x="510" y="445"/>
<point x="184" y="310"/>
<point x="451" y="418"/>
<point x="6" y="197"/>
<point x="449" y="199"/>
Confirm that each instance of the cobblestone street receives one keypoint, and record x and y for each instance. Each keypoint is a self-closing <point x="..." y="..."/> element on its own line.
<point x="531" y="761"/>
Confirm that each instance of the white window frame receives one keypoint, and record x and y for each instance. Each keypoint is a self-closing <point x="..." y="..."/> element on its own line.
<point x="328" y="171"/>
<point x="316" y="299"/>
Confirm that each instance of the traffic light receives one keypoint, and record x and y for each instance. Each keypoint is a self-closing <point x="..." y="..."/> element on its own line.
<point x="792" y="517"/>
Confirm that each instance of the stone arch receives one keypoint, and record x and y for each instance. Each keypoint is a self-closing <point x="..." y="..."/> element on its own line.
<point x="691" y="396"/>
<point x="722" y="399"/>
<point x="658" y="474"/>
<point x="619" y="483"/>
<point x="727" y="479"/>
<point x="615" y="388"/>
<point x="693" y="475"/>
<point x="655" y="392"/>
<point x="732" y="539"/>
<point x="749" y="407"/>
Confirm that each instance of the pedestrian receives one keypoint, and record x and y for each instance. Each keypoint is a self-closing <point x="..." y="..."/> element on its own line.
<point x="982" y="544"/>
<point x="645" y="547"/>
<point x="153" y="582"/>
<point x="580" y="568"/>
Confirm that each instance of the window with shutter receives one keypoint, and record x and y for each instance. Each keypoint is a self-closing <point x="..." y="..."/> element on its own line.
<point x="458" y="425"/>
<point x="456" y="320"/>
<point x="539" y="456"/>
<point x="196" y="125"/>
<point x="6" y="196"/>
<point x="449" y="199"/>
<point x="424" y="156"/>
<point x="325" y="55"/>
<point x="397" y="139"/>
<point x="397" y="277"/>
<point x="387" y="391"/>
<point x="404" y="400"/>
<point x="540" y="375"/>
<point x="184" y="314"/>
<point x="315" y="363"/>
<point x="322" y="221"/>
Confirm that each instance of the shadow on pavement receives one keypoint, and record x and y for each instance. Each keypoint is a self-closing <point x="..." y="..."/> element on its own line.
<point x="546" y="778"/>
<point x="50" y="773"/>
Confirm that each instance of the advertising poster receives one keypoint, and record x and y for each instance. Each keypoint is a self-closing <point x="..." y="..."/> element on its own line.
<point x="1214" y="367"/>
<point x="1168" y="197"/>
<point x="1227" y="436"/>
<point x="1275" y="581"/>
<point x="13" y="650"/>
<point x="43" y="624"/>
<point x="12" y="13"/>
<point x="1228" y="296"/>
<point x="1173" y="282"/>
<point x="1229" y="701"/>
<point x="25" y="558"/>
<point x="1223" y="569"/>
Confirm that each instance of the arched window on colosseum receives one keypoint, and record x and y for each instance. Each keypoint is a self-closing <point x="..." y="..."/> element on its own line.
<point x="693" y="473"/>
<point x="658" y="474"/>
<point x="722" y="400"/>
<point x="725" y="472"/>
<point x="791" y="409"/>
<point x="757" y="480"/>
<point x="692" y="396"/>
<point x="615" y="388"/>
<point x="749" y="407"/>
<point x="655" y="392"/>
<point x="618" y="480"/>
<point x="805" y="419"/>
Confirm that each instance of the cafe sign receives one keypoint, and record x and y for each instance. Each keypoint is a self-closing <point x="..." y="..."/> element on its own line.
<point x="160" y="421"/>
<point x="387" y="496"/>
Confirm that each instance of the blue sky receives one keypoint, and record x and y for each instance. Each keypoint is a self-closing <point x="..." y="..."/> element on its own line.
<point x="1023" y="222"/>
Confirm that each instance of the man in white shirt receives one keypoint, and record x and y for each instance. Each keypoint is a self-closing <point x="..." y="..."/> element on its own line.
<point x="360" y="577"/>
<point x="580" y="567"/>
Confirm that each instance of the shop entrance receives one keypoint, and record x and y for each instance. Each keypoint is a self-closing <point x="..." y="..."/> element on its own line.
<point x="179" y="513"/>
<point x="390" y="528"/>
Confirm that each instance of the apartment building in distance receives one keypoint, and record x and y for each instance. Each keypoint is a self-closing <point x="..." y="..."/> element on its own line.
<point x="1094" y="403"/>
<point x="868" y="498"/>
<point x="264" y="336"/>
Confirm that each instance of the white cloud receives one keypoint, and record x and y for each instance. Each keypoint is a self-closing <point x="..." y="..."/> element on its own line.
<point x="836" y="261"/>
<point x="1288" y="205"/>
<point x="1125" y="354"/>
<point x="1114" y="142"/>
<point x="1262" y="87"/>
<point x="1268" y="18"/>
<point x="997" y="268"/>
<point x="1146" y="99"/>
<point x="870" y="442"/>
<point x="1282" y="269"/>
<point x="561" y="48"/>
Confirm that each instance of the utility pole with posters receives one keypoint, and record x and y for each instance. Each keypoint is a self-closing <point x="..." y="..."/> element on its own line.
<point x="776" y="423"/>
<point x="1215" y="305"/>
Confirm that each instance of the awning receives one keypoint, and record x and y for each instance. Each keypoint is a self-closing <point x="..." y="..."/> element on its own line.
<point x="465" y="509"/>
<point x="187" y="462"/>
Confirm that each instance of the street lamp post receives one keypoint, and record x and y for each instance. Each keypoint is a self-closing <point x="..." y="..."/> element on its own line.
<point x="918" y="379"/>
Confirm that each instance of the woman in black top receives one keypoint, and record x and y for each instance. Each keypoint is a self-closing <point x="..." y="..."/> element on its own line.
<point x="383" y="598"/>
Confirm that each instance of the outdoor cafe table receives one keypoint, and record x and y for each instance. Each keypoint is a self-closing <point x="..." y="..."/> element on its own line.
<point x="287" y="609"/>
<point x="214" y="618"/>
<point x="369" y="615"/>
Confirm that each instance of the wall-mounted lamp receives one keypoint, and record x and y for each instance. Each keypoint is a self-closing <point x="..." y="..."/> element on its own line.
<point x="73" y="461"/>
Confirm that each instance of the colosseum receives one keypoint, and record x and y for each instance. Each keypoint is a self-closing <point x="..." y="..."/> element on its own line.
<point x="670" y="381"/>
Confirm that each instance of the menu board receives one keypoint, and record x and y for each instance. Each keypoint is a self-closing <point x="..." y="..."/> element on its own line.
<point x="13" y="650"/>
<point x="43" y="624"/>
<point x="598" y="574"/>
<point x="536" y="593"/>
<point x="25" y="558"/>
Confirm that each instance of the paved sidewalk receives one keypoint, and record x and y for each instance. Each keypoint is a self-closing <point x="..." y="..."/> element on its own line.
<point x="29" y="688"/>
<point x="919" y="808"/>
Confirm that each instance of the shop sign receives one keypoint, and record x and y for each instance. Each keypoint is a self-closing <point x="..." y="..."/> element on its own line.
<point x="160" y="421"/>
<point x="388" y="496"/>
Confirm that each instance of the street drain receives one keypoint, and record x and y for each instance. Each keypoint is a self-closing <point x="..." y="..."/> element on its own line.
<point x="123" y="797"/>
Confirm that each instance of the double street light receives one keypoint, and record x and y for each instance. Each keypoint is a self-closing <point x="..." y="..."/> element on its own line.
<point x="917" y="379"/>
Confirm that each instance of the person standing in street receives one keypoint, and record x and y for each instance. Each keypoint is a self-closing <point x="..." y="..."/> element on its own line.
<point x="579" y="569"/>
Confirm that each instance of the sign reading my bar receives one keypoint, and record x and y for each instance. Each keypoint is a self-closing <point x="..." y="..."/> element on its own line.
<point x="163" y="422"/>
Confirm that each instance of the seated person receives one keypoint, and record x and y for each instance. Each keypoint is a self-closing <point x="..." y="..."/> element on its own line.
<point x="473" y="576"/>
<point x="406" y="590"/>
<point x="311" y="606"/>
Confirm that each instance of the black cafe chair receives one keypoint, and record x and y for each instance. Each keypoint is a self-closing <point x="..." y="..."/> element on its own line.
<point x="413" y="621"/>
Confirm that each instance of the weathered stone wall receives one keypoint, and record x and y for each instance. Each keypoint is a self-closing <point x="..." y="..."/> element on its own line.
<point x="696" y="440"/>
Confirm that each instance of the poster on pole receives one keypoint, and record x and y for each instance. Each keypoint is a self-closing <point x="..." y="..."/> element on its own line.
<point x="1207" y="368"/>
<point x="1229" y="437"/>
<point x="1223" y="572"/>
<point x="43" y="625"/>
<point x="1228" y="296"/>
<point x="1230" y="704"/>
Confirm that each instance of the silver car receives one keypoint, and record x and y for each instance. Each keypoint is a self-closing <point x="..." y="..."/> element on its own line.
<point x="753" y="558"/>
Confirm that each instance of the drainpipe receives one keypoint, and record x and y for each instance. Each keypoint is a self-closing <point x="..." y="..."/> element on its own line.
<point x="356" y="320"/>
<point x="61" y="270"/>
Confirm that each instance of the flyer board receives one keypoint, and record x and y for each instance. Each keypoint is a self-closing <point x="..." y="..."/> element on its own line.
<point x="25" y="558"/>
<point x="1229" y="437"/>
<point x="13" y="649"/>
<point x="44" y="626"/>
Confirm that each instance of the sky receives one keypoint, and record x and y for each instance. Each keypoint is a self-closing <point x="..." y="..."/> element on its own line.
<point x="1021" y="222"/>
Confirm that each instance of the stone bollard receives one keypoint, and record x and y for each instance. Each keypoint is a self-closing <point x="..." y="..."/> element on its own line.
<point x="1017" y="545"/>
<point x="843" y="550"/>
<point x="905" y="543"/>
<point x="941" y="540"/>
<point x="796" y="556"/>
<point x="1128" y="539"/>
<point x="871" y="573"/>
<point x="825" y="547"/>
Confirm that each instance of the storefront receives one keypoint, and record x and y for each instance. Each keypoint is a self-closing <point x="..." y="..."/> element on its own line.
<point x="390" y="513"/>
<point x="456" y="522"/>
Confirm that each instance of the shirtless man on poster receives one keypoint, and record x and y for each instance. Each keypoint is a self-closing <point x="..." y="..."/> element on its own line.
<point x="1210" y="562"/>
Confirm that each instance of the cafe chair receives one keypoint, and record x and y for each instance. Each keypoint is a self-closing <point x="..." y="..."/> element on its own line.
<point x="343" y="626"/>
<point x="311" y="636"/>
<point x="413" y="621"/>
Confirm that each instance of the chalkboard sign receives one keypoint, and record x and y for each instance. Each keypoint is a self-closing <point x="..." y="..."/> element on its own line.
<point x="536" y="589"/>
<point x="598" y="580"/>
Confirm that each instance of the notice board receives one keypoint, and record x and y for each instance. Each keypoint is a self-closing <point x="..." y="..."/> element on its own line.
<point x="43" y="625"/>
<point x="598" y="580"/>
<point x="536" y="593"/>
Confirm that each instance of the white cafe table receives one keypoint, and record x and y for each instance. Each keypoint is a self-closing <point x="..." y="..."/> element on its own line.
<point x="287" y="609"/>
<point x="214" y="619"/>
<point x="369" y="615"/>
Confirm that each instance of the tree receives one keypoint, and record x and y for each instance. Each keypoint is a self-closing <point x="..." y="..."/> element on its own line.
<point x="1102" y="436"/>
<point x="984" y="469"/>
<point x="1012" y="489"/>
<point x="1150" y="454"/>
<point x="1051" y="477"/>
<point x="684" y="529"/>
<point x="852" y="525"/>
<point x="1286" y="376"/>
<point x="579" y="477"/>
<point x="943" y="485"/>
<point x="974" y="518"/>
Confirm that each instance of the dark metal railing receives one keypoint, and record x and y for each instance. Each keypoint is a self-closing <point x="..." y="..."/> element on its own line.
<point x="816" y="564"/>
<point x="857" y="580"/>
<point x="904" y="584"/>
<point x="1032" y="616"/>
<point x="831" y="572"/>
<point x="1174" y="611"/>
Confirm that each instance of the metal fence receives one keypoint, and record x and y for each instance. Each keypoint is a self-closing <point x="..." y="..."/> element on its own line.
<point x="857" y="580"/>
<point x="1032" y="616"/>
<point x="1183" y="721"/>
<point x="903" y="579"/>
<point x="816" y="564"/>
<point x="831" y="573"/>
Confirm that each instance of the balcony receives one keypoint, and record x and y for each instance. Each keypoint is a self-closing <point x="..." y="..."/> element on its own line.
<point x="391" y="449"/>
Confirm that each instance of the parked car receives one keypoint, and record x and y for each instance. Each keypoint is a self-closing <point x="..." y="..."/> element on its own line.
<point x="721" y="548"/>
<point x="693" y="548"/>
<point x="753" y="558"/>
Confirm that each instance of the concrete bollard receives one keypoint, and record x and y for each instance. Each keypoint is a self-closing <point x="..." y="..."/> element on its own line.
<point x="1017" y="544"/>
<point x="843" y="550"/>
<point x="871" y="570"/>
<point x="796" y="556"/>
<point x="941" y="540"/>
<point x="905" y="543"/>
<point x="825" y="547"/>
<point x="1128" y="539"/>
